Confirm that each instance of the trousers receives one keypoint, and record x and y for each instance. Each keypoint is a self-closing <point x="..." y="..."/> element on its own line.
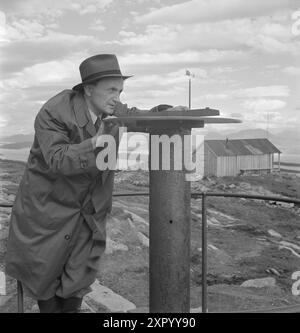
<point x="60" y="305"/>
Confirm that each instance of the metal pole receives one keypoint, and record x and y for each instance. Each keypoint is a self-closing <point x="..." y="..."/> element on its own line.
<point x="204" y="255"/>
<point x="20" y="298"/>
<point x="268" y="125"/>
<point x="190" y="93"/>
<point x="169" y="250"/>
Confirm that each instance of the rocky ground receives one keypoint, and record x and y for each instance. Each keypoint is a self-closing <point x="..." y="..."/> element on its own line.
<point x="254" y="246"/>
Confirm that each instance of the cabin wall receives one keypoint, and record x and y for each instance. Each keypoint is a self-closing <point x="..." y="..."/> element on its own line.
<point x="210" y="162"/>
<point x="232" y="165"/>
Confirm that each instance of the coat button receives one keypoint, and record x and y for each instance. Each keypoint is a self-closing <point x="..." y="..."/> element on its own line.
<point x="67" y="237"/>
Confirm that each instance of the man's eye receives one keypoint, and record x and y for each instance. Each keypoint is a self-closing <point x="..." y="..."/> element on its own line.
<point x="113" y="90"/>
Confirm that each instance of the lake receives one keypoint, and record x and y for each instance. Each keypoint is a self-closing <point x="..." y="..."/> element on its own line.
<point x="22" y="155"/>
<point x="15" y="154"/>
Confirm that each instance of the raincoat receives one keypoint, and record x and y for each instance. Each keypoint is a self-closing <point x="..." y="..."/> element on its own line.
<point x="57" y="227"/>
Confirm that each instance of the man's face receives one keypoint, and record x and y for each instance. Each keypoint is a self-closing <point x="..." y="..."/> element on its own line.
<point x="105" y="94"/>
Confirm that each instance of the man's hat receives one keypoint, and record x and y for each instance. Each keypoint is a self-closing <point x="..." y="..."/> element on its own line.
<point x="98" y="67"/>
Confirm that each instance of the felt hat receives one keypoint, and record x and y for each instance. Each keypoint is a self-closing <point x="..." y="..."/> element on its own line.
<point x="97" y="67"/>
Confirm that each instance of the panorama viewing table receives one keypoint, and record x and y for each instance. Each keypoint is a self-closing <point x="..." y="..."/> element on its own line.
<point x="169" y="207"/>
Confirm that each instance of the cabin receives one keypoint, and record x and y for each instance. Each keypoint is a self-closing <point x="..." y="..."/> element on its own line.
<point x="234" y="157"/>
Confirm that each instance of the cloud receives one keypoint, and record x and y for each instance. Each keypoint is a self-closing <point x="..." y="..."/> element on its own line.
<point x="230" y="46"/>
<point x="212" y="10"/>
<point x="237" y="115"/>
<point x="215" y="96"/>
<point x="172" y="86"/>
<point x="262" y="119"/>
<point x="98" y="25"/>
<point x="25" y="29"/>
<point x="291" y="70"/>
<point x="261" y="104"/>
<point x="263" y="34"/>
<point x="162" y="81"/>
<point x="267" y="91"/>
<point x="17" y="110"/>
<point x="3" y="121"/>
<point x="23" y="94"/>
<point x="265" y="111"/>
<point x="272" y="45"/>
<point x="155" y="36"/>
<point x="54" y="46"/>
<point x="2" y="27"/>
<point x="50" y="9"/>
<point x="186" y="57"/>
<point x="151" y="97"/>
<point x="52" y="72"/>
<point x="225" y="70"/>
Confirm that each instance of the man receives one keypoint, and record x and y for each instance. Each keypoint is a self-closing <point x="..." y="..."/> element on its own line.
<point x="57" y="230"/>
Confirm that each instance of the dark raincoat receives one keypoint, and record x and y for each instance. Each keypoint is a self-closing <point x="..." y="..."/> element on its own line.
<point x="60" y="180"/>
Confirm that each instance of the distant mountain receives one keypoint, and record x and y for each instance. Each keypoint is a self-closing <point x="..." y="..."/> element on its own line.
<point x="254" y="133"/>
<point x="243" y="134"/>
<point x="288" y="141"/>
<point x="18" y="138"/>
<point x="215" y="136"/>
<point x="16" y="145"/>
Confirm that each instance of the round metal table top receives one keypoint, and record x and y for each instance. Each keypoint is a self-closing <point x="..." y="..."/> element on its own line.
<point x="164" y="123"/>
<point x="134" y="118"/>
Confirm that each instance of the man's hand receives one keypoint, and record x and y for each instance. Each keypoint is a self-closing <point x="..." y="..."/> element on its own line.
<point x="105" y="128"/>
<point x="178" y="108"/>
<point x="166" y="107"/>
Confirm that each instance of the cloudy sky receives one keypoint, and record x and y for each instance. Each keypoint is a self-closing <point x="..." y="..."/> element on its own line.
<point x="244" y="55"/>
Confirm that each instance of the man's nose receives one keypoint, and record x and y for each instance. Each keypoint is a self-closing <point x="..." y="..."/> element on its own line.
<point x="116" y="98"/>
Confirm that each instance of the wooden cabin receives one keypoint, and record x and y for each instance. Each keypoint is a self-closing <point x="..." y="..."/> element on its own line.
<point x="233" y="157"/>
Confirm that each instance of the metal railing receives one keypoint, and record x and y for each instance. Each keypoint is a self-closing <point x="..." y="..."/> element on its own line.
<point x="203" y="195"/>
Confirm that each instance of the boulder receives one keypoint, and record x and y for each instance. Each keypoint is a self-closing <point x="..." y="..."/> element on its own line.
<point x="274" y="233"/>
<point x="291" y="245"/>
<point x="112" y="246"/>
<point x="143" y="239"/>
<point x="285" y="204"/>
<point x="146" y="310"/>
<point x="260" y="283"/>
<point x="108" y="299"/>
<point x="2" y="284"/>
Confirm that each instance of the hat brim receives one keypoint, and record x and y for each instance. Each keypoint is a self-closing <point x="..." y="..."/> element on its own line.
<point x="79" y="86"/>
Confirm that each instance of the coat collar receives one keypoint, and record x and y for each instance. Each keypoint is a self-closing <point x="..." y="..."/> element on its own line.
<point x="82" y="114"/>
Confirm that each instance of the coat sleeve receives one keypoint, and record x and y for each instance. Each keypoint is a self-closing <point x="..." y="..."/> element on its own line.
<point x="122" y="109"/>
<point x="61" y="156"/>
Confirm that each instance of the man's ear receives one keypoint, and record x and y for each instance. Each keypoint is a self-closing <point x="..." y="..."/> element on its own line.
<point x="88" y="90"/>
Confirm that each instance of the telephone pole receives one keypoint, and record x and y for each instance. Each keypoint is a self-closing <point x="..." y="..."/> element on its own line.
<point x="190" y="75"/>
